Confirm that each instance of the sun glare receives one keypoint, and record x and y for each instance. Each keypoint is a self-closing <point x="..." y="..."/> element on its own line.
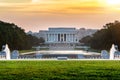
<point x="113" y="2"/>
<point x="35" y="1"/>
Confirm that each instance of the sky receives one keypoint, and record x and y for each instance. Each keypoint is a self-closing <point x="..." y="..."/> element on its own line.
<point x="35" y="15"/>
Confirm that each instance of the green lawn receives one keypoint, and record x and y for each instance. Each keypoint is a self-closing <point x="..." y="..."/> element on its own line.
<point x="59" y="70"/>
<point x="24" y="51"/>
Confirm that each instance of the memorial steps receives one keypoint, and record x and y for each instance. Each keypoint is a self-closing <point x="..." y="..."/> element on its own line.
<point x="61" y="46"/>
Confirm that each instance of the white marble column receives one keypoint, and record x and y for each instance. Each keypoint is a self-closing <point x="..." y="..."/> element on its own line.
<point x="63" y="38"/>
<point x="66" y="37"/>
<point x="60" y="38"/>
<point x="54" y="37"/>
<point x="69" y="37"/>
<point x="46" y="37"/>
<point x="49" y="37"/>
<point x="73" y="37"/>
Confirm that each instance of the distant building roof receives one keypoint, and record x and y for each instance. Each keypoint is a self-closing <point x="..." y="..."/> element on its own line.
<point x="61" y="29"/>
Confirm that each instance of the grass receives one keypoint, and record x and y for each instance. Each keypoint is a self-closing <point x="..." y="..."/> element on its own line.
<point x="24" y="51"/>
<point x="90" y="50"/>
<point x="59" y="70"/>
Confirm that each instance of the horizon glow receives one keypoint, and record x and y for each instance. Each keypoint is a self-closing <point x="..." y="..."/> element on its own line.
<point x="38" y="15"/>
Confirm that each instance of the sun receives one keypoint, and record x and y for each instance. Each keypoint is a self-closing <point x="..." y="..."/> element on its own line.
<point x="113" y="2"/>
<point x="35" y="1"/>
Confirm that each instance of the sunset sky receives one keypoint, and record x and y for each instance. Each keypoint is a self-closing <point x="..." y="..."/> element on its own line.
<point x="38" y="15"/>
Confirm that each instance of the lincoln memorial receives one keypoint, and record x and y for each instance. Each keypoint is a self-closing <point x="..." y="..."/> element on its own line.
<point x="63" y="38"/>
<point x="61" y="35"/>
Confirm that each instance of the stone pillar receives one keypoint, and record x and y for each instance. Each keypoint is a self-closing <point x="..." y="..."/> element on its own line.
<point x="63" y="38"/>
<point x="46" y="37"/>
<point x="69" y="37"/>
<point x="73" y="37"/>
<point x="66" y="37"/>
<point x="56" y="37"/>
<point x="60" y="38"/>
<point x="49" y="37"/>
<point x="53" y="37"/>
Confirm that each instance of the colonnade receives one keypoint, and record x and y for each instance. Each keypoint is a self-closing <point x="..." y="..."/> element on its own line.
<point x="60" y="37"/>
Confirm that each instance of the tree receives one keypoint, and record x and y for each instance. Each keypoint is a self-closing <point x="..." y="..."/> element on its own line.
<point x="86" y="40"/>
<point x="16" y="37"/>
<point x="104" y="38"/>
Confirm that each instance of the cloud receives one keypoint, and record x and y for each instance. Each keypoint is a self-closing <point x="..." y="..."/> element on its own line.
<point x="14" y="1"/>
<point x="77" y="7"/>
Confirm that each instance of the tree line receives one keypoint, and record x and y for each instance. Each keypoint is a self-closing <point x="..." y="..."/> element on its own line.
<point x="16" y="37"/>
<point x="104" y="38"/>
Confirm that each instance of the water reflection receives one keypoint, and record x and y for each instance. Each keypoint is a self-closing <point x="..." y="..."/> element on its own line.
<point x="51" y="54"/>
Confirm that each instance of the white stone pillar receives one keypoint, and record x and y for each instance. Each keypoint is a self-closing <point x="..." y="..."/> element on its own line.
<point x="56" y="37"/>
<point x="73" y="38"/>
<point x="66" y="37"/>
<point x="63" y="38"/>
<point x="49" y="37"/>
<point x="69" y="37"/>
<point x="46" y="37"/>
<point x="60" y="37"/>
<point x="53" y="37"/>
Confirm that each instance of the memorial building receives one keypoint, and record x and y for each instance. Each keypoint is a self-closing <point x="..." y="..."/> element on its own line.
<point x="63" y="38"/>
<point x="61" y="35"/>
